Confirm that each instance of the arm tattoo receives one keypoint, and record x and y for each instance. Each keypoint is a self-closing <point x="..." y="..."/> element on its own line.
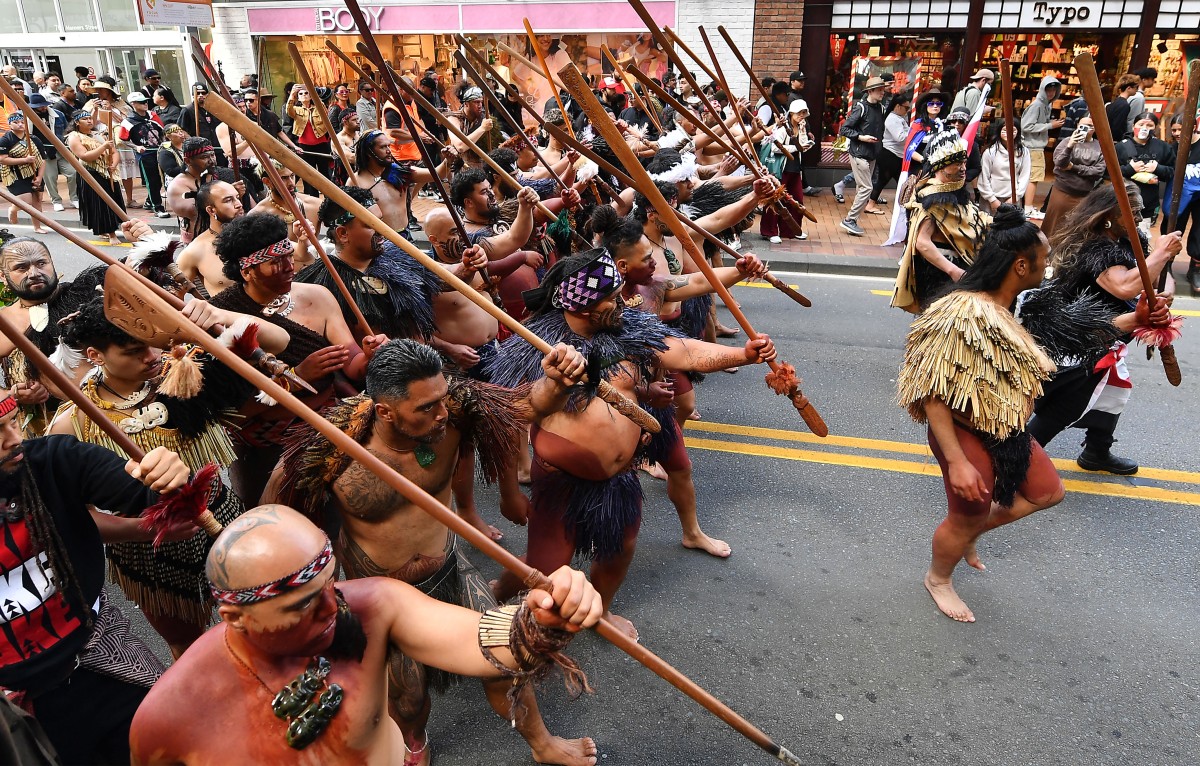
<point x="709" y="357"/>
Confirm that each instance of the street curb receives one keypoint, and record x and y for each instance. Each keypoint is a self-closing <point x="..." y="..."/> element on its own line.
<point x="822" y="263"/>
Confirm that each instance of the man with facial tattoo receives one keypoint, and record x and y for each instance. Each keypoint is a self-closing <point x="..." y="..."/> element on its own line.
<point x="389" y="181"/>
<point x="421" y="421"/>
<point x="471" y="192"/>
<point x="217" y="204"/>
<point x="286" y="628"/>
<point x="586" y="499"/>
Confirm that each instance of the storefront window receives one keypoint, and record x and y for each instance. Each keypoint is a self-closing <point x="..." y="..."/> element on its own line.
<point x="128" y="65"/>
<point x="78" y="16"/>
<point x="8" y="10"/>
<point x="168" y="63"/>
<point x="117" y="15"/>
<point x="40" y="16"/>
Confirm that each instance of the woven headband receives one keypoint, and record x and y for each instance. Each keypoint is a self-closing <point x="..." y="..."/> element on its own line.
<point x="16" y="117"/>
<point x="472" y="94"/>
<point x="591" y="285"/>
<point x="196" y="151"/>
<point x="7" y="405"/>
<point x="277" y="250"/>
<point x="285" y="584"/>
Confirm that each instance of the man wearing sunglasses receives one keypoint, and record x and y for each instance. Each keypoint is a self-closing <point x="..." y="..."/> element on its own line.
<point x="368" y="118"/>
<point x="153" y="82"/>
<point x="258" y="110"/>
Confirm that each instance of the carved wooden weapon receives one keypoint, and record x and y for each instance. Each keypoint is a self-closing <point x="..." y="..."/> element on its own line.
<point x="319" y="107"/>
<point x="782" y="379"/>
<point x="1006" y="101"/>
<point x="629" y="86"/>
<point x="294" y="206"/>
<point x="229" y="113"/>
<point x="757" y="84"/>
<point x="1160" y="336"/>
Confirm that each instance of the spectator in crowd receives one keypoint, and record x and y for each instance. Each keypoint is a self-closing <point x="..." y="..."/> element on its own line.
<point x="1148" y="161"/>
<point x="1137" y="102"/>
<point x="153" y="82"/>
<point x="208" y="122"/>
<point x="166" y="107"/>
<point x="11" y="74"/>
<point x="995" y="185"/>
<point x="781" y="96"/>
<point x="67" y="101"/>
<point x="928" y="115"/>
<point x="339" y="106"/>
<point x="864" y="127"/>
<point x="53" y="85"/>
<point x="1036" y="123"/>
<point x="1072" y="112"/>
<point x="796" y="84"/>
<point x="84" y="91"/>
<point x="1189" y="204"/>
<point x="55" y="163"/>
<point x="1078" y="167"/>
<point x="145" y="135"/>
<point x="972" y="94"/>
<point x="959" y="119"/>
<point x="21" y="167"/>
<point x="793" y="134"/>
<point x="1117" y="110"/>
<point x="890" y="160"/>
<point x="258" y="109"/>
<point x="311" y="132"/>
<point x="368" y="117"/>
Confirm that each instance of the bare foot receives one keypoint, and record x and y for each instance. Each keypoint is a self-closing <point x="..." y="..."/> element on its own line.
<point x="523" y="478"/>
<point x="622" y="624"/>
<point x="113" y="241"/>
<point x="694" y="415"/>
<point x="726" y="332"/>
<point x="478" y="522"/>
<point x="654" y="471"/>
<point x="566" y="752"/>
<point x="710" y="545"/>
<point x="40" y="231"/>
<point x="948" y="601"/>
<point x="971" y="556"/>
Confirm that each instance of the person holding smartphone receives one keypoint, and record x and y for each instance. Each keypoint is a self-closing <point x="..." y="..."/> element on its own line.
<point x="1078" y="167"/>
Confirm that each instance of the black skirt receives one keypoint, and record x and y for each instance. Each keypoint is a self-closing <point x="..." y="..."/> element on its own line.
<point x="94" y="213"/>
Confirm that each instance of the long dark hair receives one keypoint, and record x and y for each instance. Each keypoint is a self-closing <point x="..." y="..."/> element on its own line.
<point x="994" y="138"/>
<point x="1010" y="236"/>
<point x="1084" y="224"/>
<point x="168" y="94"/>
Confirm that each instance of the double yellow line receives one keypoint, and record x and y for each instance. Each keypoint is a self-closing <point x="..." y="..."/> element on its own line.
<point x="848" y="451"/>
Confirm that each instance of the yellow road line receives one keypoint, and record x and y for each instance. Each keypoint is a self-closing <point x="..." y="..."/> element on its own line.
<point x="1185" y="312"/>
<point x="105" y="243"/>
<point x="763" y="284"/>
<point x="887" y="293"/>
<point x="930" y="468"/>
<point x="907" y="448"/>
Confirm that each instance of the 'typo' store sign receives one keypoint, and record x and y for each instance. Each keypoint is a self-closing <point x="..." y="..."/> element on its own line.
<point x="1057" y="14"/>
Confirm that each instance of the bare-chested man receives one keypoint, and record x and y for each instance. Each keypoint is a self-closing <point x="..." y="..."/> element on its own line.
<point x="647" y="290"/>
<point x="586" y="496"/>
<point x="257" y="258"/>
<point x="276" y="204"/>
<point x="217" y="203"/>
<point x="348" y="135"/>
<point x="282" y="618"/>
<point x="388" y="180"/>
<point x="200" y="166"/>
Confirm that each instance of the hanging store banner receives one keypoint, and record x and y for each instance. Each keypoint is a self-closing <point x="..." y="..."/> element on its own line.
<point x="176" y="13"/>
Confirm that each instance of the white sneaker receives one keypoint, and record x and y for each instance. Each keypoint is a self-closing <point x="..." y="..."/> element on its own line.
<point x="839" y="189"/>
<point x="775" y="240"/>
<point x="1037" y="215"/>
<point x="74" y="204"/>
<point x="801" y="236"/>
<point x="58" y="207"/>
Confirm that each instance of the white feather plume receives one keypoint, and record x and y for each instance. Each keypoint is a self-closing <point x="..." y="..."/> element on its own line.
<point x="234" y="331"/>
<point x="66" y="359"/>
<point x="146" y="246"/>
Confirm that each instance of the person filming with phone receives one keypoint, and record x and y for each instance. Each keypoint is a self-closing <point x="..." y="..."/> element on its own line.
<point x="1078" y="167"/>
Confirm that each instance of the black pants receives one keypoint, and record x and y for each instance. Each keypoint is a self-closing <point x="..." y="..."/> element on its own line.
<point x="87" y="717"/>
<point x="152" y="177"/>
<point x="1192" y="211"/>
<point x="887" y="169"/>
<point x="1062" y="402"/>
<point x="318" y="160"/>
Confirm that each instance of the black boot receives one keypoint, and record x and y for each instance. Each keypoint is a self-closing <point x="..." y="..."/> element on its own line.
<point x="1193" y="276"/>
<point x="1097" y="459"/>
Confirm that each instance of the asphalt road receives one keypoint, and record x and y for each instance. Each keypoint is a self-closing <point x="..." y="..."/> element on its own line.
<point x="818" y="629"/>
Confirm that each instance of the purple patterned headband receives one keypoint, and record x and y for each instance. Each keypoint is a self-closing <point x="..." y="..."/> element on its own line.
<point x="285" y="584"/>
<point x="585" y="288"/>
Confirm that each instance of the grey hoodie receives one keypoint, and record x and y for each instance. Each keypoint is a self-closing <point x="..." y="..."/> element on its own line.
<point x="1035" y="120"/>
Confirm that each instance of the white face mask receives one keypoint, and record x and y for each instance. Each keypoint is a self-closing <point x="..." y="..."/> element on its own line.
<point x="1142" y="133"/>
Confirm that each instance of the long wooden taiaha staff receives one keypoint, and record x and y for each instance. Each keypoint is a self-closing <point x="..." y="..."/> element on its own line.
<point x="677" y="40"/>
<point x="189" y="503"/>
<point x="747" y="151"/>
<point x="713" y="239"/>
<point x="229" y="113"/>
<point x="1006" y="102"/>
<point x="274" y="366"/>
<point x="322" y="112"/>
<point x="364" y="75"/>
<point x="757" y="84"/>
<point x="1156" y="336"/>
<point x="782" y="379"/>
<point x="633" y="94"/>
<point x="161" y="318"/>
<point x="294" y="206"/>
<point x="1182" y="154"/>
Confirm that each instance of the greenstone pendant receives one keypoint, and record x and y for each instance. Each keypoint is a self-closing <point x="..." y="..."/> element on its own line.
<point x="425" y="455"/>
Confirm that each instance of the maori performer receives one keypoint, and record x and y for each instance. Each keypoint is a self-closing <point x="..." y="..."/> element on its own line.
<point x="153" y="401"/>
<point x="972" y="372"/>
<point x="393" y="291"/>
<point x="99" y="157"/>
<point x="258" y="258"/>
<point x="284" y="620"/>
<point x="199" y="164"/>
<point x="389" y="181"/>
<point x="217" y="203"/>
<point x="66" y="649"/>
<point x="586" y="497"/>
<point x="420" y="421"/>
<point x="472" y="193"/>
<point x="1093" y="257"/>
<point x="646" y="290"/>
<point x="944" y="229"/>
<point x="274" y="204"/>
<point x="473" y="121"/>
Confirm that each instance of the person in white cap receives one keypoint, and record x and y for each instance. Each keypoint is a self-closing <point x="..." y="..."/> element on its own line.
<point x="972" y="94"/>
<point x="143" y="133"/>
<point x="793" y="134"/>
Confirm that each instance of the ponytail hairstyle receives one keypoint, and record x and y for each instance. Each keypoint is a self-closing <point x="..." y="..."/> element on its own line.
<point x="1010" y="236"/>
<point x="617" y="232"/>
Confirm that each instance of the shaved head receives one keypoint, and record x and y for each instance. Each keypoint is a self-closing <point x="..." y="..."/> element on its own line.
<point x="262" y="545"/>
<point x="439" y="228"/>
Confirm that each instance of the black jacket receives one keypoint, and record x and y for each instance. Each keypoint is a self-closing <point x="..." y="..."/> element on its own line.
<point x="865" y="119"/>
